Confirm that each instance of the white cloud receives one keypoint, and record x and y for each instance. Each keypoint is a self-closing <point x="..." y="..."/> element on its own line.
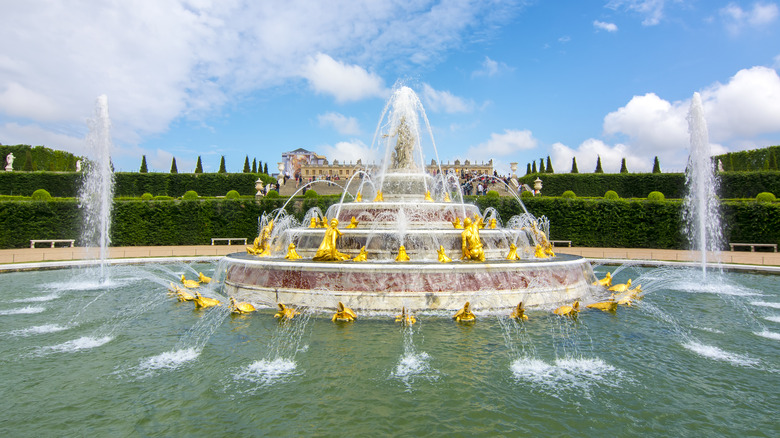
<point x="564" y="39"/>
<point x="444" y="101"/>
<point x="609" y="27"/>
<point x="341" y="123"/>
<point x="735" y="18"/>
<point x="651" y="10"/>
<point x="350" y="151"/>
<point x="344" y="82"/>
<point x="490" y="68"/>
<point x="500" y="145"/>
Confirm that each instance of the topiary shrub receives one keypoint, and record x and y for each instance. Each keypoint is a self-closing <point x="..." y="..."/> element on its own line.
<point x="492" y="194"/>
<point x="147" y="196"/>
<point x="310" y="194"/>
<point x="568" y="194"/>
<point x="191" y="195"/>
<point x="41" y="195"/>
<point x="611" y="195"/>
<point x="656" y="196"/>
<point x="163" y="198"/>
<point x="233" y="194"/>
<point x="275" y="194"/>
<point x="526" y="194"/>
<point x="765" y="197"/>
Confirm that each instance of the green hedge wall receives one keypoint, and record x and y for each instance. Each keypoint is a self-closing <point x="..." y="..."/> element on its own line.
<point x="586" y="222"/>
<point x="66" y="184"/>
<point x="43" y="158"/>
<point x="752" y="160"/>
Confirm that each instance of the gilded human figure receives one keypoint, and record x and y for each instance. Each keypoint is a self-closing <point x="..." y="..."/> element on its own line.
<point x="328" y="251"/>
<point x="261" y="245"/>
<point x="471" y="243"/>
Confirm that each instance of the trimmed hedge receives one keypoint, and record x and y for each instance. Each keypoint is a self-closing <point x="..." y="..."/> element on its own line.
<point x="752" y="160"/>
<point x="43" y="158"/>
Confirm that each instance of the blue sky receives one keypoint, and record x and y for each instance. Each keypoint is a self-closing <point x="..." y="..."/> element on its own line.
<point x="514" y="81"/>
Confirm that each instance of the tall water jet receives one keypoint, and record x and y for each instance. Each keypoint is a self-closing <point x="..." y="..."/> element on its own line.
<point x="97" y="190"/>
<point x="701" y="213"/>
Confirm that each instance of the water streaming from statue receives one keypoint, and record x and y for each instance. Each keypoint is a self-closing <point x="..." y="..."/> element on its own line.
<point x="701" y="211"/>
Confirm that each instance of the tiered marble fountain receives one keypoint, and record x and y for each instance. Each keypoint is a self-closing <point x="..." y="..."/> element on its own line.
<point x="416" y="211"/>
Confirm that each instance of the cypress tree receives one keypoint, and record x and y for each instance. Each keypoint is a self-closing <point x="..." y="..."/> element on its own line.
<point x="623" y="167"/>
<point x="598" y="165"/>
<point x="143" y="165"/>
<point x="656" y="165"/>
<point x="254" y="165"/>
<point x="574" y="165"/>
<point x="28" y="164"/>
<point x="549" y="165"/>
<point x="173" y="166"/>
<point x="528" y="169"/>
<point x="773" y="161"/>
<point x="533" y="169"/>
<point x="247" y="169"/>
<point x="260" y="166"/>
<point x="222" y="168"/>
<point x="199" y="166"/>
<point x="541" y="165"/>
<point x="265" y="168"/>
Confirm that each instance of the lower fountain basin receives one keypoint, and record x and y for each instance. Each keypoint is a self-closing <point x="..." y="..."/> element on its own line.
<point x="418" y="286"/>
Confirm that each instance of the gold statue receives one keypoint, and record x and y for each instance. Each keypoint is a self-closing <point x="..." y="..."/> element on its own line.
<point x="322" y="223"/>
<point x="313" y="222"/>
<point x="241" y="308"/>
<point x="606" y="281"/>
<point x="379" y="196"/>
<point x="327" y="251"/>
<point x="512" y="252"/>
<point x="362" y="257"/>
<point x="405" y="318"/>
<point x="285" y="313"/>
<point x="623" y="300"/>
<point x="353" y="223"/>
<point x="519" y="312"/>
<point x="402" y="257"/>
<point x="539" y="253"/>
<point x="605" y="306"/>
<point x="260" y="246"/>
<point x="471" y="244"/>
<point x="492" y="225"/>
<point x="202" y="302"/>
<point x="464" y="314"/>
<point x="358" y="197"/>
<point x="428" y="196"/>
<point x="203" y="279"/>
<point x="443" y="255"/>
<point x="191" y="284"/>
<point x="457" y="224"/>
<point x="621" y="287"/>
<point x="478" y="220"/>
<point x="181" y="294"/>
<point x="344" y="314"/>
<point x="292" y="254"/>
<point x="570" y="311"/>
<point x="447" y="197"/>
<point x="548" y="251"/>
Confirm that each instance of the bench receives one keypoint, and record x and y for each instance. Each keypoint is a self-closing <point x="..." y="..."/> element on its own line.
<point x="561" y="242"/>
<point x="228" y="239"/>
<point x="52" y="242"/>
<point x="753" y="246"/>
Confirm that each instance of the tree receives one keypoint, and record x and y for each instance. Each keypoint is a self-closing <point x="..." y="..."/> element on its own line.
<point x="173" y="166"/>
<point x="247" y="169"/>
<point x="541" y="165"/>
<point x="773" y="161"/>
<point x="254" y="165"/>
<point x="533" y="169"/>
<point x="623" y="167"/>
<point x="144" y="169"/>
<point x="222" y="165"/>
<point x="265" y="168"/>
<point x="260" y="166"/>
<point x="528" y="169"/>
<point x="574" y="165"/>
<point x="199" y="166"/>
<point x="28" y="163"/>
<point x="656" y="165"/>
<point x="598" y="165"/>
<point x="549" y="165"/>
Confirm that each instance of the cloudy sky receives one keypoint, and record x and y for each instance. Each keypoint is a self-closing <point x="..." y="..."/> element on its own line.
<point x="508" y="80"/>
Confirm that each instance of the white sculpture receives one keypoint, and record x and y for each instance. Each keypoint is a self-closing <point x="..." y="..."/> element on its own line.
<point x="9" y="162"/>
<point x="78" y="166"/>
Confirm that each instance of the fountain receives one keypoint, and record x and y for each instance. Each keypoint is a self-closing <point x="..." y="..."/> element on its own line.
<point x="701" y="209"/>
<point x="404" y="235"/>
<point x="97" y="192"/>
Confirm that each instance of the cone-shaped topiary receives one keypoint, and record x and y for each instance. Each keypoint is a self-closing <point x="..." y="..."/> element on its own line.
<point x="598" y="165"/>
<point x="528" y="169"/>
<point x="199" y="166"/>
<point x="656" y="166"/>
<point x="222" y="168"/>
<point x="574" y="165"/>
<point x="144" y="169"/>
<point x="623" y="167"/>
<point x="254" y="165"/>
<point x="533" y="169"/>
<point x="541" y="166"/>
<point x="174" y="169"/>
<point x="247" y="169"/>
<point x="549" y="165"/>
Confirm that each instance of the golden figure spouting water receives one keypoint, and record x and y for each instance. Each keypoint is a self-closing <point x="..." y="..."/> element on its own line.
<point x="203" y="279"/>
<point x="512" y="252"/>
<point x="285" y="313"/>
<point x="621" y="287"/>
<point x="358" y="197"/>
<point x="478" y="220"/>
<point x="402" y="256"/>
<point x="379" y="197"/>
<point x="261" y="245"/>
<point x="190" y="284"/>
<point x="313" y="222"/>
<point x="362" y="257"/>
<point x="405" y="318"/>
<point x="519" y="312"/>
<point x="457" y="224"/>
<point x="606" y="281"/>
<point x="428" y="197"/>
<point x="471" y="244"/>
<point x="202" y="302"/>
<point x="241" y="307"/>
<point x="353" y="223"/>
<point x="180" y="294"/>
<point x="328" y="251"/>
<point x="344" y="314"/>
<point x="539" y="252"/>
<point x="605" y="306"/>
<point x="570" y="311"/>
<point x="492" y="223"/>
<point x="292" y="254"/>
<point x="447" y="197"/>
<point x="443" y="255"/>
<point x="464" y="314"/>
